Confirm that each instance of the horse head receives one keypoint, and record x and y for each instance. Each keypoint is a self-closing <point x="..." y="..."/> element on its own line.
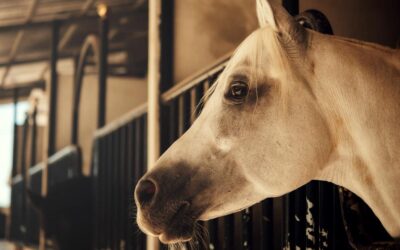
<point x="269" y="126"/>
<point x="257" y="131"/>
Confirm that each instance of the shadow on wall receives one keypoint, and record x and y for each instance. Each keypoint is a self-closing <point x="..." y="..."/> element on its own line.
<point x="206" y="30"/>
<point x="367" y="20"/>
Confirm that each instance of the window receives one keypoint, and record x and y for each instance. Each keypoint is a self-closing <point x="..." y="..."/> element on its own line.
<point x="6" y="146"/>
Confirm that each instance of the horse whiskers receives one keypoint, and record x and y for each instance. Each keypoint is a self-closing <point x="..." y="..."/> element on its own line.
<point x="201" y="236"/>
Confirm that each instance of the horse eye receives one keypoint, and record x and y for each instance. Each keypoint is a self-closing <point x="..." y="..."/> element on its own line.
<point x="238" y="90"/>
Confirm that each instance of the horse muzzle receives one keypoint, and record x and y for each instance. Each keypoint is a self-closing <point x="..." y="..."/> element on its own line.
<point x="171" y="220"/>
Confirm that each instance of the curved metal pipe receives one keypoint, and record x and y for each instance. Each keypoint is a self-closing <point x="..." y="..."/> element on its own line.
<point x="91" y="44"/>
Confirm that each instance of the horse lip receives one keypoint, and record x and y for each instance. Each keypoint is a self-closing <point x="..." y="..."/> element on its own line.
<point x="175" y="231"/>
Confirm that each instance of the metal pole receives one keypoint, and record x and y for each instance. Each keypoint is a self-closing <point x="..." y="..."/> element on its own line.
<point x="24" y="174"/>
<point x="52" y="120"/>
<point x="15" y="146"/>
<point x="33" y="136"/>
<point x="53" y="90"/>
<point x="153" y="141"/>
<point x="104" y="17"/>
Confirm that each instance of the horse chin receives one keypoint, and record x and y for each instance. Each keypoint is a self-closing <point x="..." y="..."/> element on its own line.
<point x="178" y="228"/>
<point x="173" y="236"/>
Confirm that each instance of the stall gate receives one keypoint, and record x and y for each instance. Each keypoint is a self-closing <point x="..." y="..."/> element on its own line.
<point x="119" y="160"/>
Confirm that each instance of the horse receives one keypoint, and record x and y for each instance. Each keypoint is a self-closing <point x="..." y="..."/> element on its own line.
<point x="291" y="106"/>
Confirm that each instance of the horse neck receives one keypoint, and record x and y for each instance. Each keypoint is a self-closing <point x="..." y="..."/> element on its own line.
<point x="357" y="86"/>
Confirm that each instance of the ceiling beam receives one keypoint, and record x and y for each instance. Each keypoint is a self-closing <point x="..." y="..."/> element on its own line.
<point x="118" y="11"/>
<point x="24" y="89"/>
<point x="41" y="57"/>
<point x="18" y="39"/>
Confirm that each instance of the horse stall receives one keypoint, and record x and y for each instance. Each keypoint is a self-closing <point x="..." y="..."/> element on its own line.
<point x="100" y="136"/>
<point x="75" y="49"/>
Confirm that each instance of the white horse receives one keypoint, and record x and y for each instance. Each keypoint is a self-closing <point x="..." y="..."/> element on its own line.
<point x="292" y="106"/>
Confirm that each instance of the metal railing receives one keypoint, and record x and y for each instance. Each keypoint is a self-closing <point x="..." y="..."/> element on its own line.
<point x="118" y="161"/>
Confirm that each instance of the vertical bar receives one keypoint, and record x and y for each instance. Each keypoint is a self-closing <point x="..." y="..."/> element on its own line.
<point x="130" y="208"/>
<point x="311" y="221"/>
<point x="193" y="104"/>
<point x="221" y="234"/>
<point x="53" y="89"/>
<point x="257" y="227"/>
<point x="124" y="203"/>
<point x="115" y="189"/>
<point x="109" y="205"/>
<point x="238" y="231"/>
<point x="278" y="222"/>
<point x="103" y="69"/>
<point x="247" y="229"/>
<point x="24" y="180"/>
<point x="155" y="86"/>
<point x="181" y="118"/>
<point x="267" y="225"/>
<point x="138" y="168"/>
<point x="15" y="144"/>
<point x="33" y="137"/>
<point x="300" y="218"/>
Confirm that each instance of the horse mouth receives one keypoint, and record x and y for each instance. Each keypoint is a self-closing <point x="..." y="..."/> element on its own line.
<point x="178" y="228"/>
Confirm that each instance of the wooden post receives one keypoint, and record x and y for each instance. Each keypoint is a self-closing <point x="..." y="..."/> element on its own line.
<point x="153" y="144"/>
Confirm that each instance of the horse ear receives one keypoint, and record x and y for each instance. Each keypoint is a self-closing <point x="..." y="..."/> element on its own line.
<point x="272" y="14"/>
<point x="36" y="200"/>
<point x="265" y="14"/>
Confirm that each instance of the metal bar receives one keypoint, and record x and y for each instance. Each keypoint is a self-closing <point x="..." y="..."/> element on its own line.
<point x="53" y="90"/>
<point x="24" y="173"/>
<point x="33" y="137"/>
<point x="221" y="233"/>
<point x="91" y="43"/>
<point x="15" y="139"/>
<point x="267" y="224"/>
<point x="129" y="227"/>
<point x="123" y="184"/>
<point x="101" y="119"/>
<point x="238" y="231"/>
<point x="109" y="194"/>
<point x="257" y="243"/>
<point x="114" y="190"/>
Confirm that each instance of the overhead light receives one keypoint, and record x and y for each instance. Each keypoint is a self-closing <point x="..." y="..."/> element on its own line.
<point x="102" y="10"/>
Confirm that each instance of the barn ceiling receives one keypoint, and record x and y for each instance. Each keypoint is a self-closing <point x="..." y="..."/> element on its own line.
<point x="25" y="36"/>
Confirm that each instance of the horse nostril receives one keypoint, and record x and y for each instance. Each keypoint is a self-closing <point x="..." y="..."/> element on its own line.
<point x="145" y="191"/>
